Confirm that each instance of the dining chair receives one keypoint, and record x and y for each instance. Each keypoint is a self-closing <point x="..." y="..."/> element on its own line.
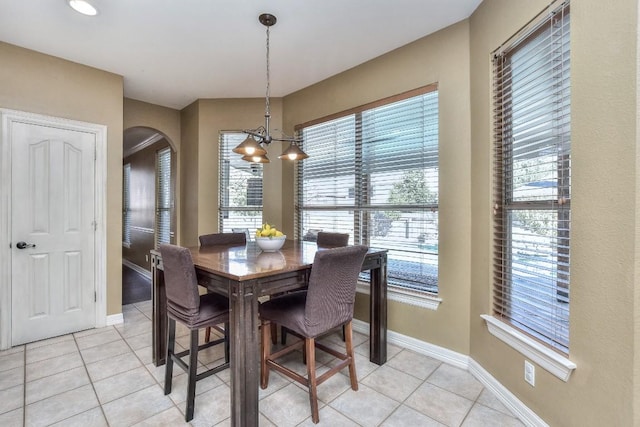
<point x="324" y="239"/>
<point x="243" y="230"/>
<point x="215" y="239"/>
<point x="194" y="311"/>
<point x="332" y="240"/>
<point x="223" y="239"/>
<point x="327" y="304"/>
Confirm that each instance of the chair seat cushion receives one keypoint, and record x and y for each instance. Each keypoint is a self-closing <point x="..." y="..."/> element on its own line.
<point x="288" y="311"/>
<point x="214" y="309"/>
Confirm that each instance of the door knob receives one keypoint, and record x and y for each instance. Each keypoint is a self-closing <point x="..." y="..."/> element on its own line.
<point x="24" y="245"/>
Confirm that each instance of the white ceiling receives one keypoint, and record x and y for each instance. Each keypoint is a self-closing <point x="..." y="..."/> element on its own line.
<point x="172" y="52"/>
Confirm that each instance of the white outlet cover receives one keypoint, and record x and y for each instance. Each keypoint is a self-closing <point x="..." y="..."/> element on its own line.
<point x="529" y="373"/>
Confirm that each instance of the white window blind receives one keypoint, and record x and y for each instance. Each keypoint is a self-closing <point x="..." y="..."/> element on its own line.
<point x="163" y="196"/>
<point x="126" y="205"/>
<point x="532" y="178"/>
<point x="240" y="188"/>
<point x="373" y="173"/>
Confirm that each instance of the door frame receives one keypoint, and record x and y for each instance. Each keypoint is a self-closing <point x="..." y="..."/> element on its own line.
<point x="7" y="117"/>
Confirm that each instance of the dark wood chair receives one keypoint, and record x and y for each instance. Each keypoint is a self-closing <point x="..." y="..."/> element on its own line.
<point x="195" y="311"/>
<point x="327" y="304"/>
<point x="215" y="239"/>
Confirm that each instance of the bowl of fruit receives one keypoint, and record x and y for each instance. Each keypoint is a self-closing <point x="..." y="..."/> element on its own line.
<point x="269" y="239"/>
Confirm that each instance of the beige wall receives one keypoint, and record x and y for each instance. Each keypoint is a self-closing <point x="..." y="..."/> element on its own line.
<point x="604" y="194"/>
<point x="603" y="292"/>
<point x="442" y="58"/>
<point x="201" y="126"/>
<point x="605" y="300"/>
<point x="47" y="85"/>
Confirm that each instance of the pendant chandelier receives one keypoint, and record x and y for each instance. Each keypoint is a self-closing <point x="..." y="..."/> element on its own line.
<point x="253" y="149"/>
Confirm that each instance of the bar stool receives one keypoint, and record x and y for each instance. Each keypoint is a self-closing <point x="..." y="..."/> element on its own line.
<point x="332" y="240"/>
<point x="185" y="305"/>
<point x="327" y="304"/>
<point x="218" y="239"/>
<point x="325" y="239"/>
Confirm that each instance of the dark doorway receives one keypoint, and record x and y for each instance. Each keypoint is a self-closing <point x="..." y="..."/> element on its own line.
<point x="135" y="286"/>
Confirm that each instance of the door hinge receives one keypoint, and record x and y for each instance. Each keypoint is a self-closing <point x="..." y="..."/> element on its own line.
<point x="95" y="297"/>
<point x="95" y="225"/>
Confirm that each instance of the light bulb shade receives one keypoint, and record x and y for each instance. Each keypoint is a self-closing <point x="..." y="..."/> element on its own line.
<point x="256" y="158"/>
<point x="293" y="152"/>
<point x="250" y="147"/>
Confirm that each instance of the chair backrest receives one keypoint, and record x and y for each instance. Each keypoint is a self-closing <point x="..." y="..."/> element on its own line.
<point x="332" y="287"/>
<point x="223" y="239"/>
<point x="243" y="230"/>
<point x="332" y="240"/>
<point x="181" y="284"/>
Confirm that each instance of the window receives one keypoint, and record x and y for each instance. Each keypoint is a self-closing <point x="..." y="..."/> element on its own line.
<point x="372" y="172"/>
<point x="240" y="188"/>
<point x="126" y="205"/>
<point x="163" y="196"/>
<point x="532" y="178"/>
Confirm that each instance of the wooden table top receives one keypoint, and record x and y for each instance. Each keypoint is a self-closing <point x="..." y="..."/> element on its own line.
<point x="247" y="262"/>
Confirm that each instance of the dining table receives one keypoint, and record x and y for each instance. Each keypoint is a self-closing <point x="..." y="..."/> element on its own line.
<point x="247" y="275"/>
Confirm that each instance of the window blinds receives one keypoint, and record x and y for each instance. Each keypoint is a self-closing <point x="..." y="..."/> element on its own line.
<point x="163" y="196"/>
<point x="240" y="188"/>
<point x="372" y="172"/>
<point x="532" y="177"/>
<point x="126" y="205"/>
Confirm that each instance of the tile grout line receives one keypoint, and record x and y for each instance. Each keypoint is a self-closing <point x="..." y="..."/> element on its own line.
<point x="157" y="382"/>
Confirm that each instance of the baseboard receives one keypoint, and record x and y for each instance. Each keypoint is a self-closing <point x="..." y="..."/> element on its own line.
<point x="137" y="268"/>
<point x="440" y="353"/>
<point x="508" y="399"/>
<point x="115" y="319"/>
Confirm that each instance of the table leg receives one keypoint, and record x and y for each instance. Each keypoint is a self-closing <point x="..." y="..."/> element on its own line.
<point x="245" y="350"/>
<point x="159" y="320"/>
<point x="378" y="313"/>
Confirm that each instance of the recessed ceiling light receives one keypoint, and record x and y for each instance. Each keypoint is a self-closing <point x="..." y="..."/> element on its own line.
<point x="84" y="7"/>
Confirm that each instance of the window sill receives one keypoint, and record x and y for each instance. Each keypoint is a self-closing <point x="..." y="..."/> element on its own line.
<point x="546" y="358"/>
<point x="419" y="299"/>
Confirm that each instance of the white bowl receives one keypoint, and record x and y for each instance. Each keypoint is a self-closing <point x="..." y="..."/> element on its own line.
<point x="270" y="244"/>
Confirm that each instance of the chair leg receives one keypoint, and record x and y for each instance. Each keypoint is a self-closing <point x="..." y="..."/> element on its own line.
<point x="266" y="352"/>
<point x="193" y="368"/>
<point x="309" y="345"/>
<point x="349" y="346"/>
<point x="168" y="368"/>
<point x="207" y="334"/>
<point x="274" y="333"/>
<point x="283" y="335"/>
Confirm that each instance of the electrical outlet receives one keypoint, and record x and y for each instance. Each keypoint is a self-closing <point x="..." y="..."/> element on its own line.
<point x="530" y="373"/>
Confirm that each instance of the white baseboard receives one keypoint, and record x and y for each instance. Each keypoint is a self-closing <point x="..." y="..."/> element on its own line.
<point x="519" y="409"/>
<point x="508" y="399"/>
<point x="137" y="268"/>
<point x="440" y="353"/>
<point x="115" y="319"/>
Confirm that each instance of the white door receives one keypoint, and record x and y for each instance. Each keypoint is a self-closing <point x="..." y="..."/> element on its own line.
<point x="52" y="231"/>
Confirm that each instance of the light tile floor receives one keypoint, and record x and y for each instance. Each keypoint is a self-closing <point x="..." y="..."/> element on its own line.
<point x="105" y="377"/>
